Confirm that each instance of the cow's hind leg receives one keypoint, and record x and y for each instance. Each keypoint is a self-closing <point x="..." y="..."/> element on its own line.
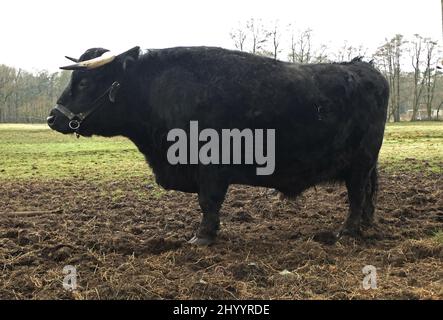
<point x="360" y="192"/>
<point x="211" y="196"/>
<point x="370" y="198"/>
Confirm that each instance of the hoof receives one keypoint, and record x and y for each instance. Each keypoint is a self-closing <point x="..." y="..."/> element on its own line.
<point x="350" y="232"/>
<point x="200" y="241"/>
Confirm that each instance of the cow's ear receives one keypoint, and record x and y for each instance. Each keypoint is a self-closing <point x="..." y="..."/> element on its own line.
<point x="128" y="58"/>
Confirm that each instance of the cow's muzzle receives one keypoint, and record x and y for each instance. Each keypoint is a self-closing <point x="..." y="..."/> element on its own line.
<point x="50" y="120"/>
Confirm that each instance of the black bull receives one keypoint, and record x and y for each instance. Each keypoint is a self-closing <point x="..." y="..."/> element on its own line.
<point x="329" y="120"/>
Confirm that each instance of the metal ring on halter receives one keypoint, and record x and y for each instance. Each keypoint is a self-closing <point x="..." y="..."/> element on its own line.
<point x="74" y="124"/>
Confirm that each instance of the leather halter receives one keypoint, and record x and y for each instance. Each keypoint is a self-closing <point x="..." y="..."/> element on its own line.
<point x="76" y="119"/>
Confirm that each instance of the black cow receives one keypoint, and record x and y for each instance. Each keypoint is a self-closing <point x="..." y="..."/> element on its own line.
<point x="329" y="119"/>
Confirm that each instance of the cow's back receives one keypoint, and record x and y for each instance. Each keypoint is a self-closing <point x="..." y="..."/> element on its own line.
<point x="320" y="112"/>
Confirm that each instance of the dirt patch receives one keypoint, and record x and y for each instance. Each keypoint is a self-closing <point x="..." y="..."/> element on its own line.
<point x="129" y="241"/>
<point x="159" y="245"/>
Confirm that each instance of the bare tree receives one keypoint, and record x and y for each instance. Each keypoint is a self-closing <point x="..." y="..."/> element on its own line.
<point x="239" y="37"/>
<point x="275" y="37"/>
<point x="416" y="53"/>
<point x="301" y="46"/>
<point x="343" y="52"/>
<point x="424" y="61"/>
<point x="347" y="52"/>
<point x="388" y="58"/>
<point x="292" y="54"/>
<point x="321" y="55"/>
<point x="397" y="43"/>
<point x="257" y="34"/>
<point x="430" y="75"/>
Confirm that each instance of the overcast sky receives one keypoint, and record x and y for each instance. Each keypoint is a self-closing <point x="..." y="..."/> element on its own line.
<point x="36" y="35"/>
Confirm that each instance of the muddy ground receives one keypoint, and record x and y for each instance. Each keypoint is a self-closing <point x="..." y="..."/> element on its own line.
<point x="127" y="239"/>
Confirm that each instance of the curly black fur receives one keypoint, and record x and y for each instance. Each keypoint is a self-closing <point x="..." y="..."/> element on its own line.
<point x="329" y="118"/>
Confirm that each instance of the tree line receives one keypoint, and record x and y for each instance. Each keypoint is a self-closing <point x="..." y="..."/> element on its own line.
<point x="27" y="97"/>
<point x="409" y="65"/>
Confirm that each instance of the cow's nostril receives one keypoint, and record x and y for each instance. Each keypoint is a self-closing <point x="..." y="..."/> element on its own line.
<point x="50" y="120"/>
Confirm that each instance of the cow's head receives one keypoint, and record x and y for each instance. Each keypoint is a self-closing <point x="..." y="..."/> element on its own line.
<point x="94" y="101"/>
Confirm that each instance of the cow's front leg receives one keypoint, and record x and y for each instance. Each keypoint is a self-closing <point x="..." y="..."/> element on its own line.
<point x="211" y="196"/>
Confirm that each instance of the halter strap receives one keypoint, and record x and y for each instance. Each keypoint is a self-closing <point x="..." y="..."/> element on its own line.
<point x="76" y="119"/>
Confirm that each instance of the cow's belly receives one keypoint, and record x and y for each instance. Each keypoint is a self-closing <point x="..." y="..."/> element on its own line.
<point x="179" y="178"/>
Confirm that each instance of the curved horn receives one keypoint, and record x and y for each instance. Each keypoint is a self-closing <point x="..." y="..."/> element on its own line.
<point x="72" y="59"/>
<point x="105" y="58"/>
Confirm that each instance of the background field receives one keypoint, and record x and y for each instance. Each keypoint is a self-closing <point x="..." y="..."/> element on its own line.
<point x="93" y="203"/>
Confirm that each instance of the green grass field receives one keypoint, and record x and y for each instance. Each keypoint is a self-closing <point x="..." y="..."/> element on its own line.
<point x="35" y="152"/>
<point x="413" y="146"/>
